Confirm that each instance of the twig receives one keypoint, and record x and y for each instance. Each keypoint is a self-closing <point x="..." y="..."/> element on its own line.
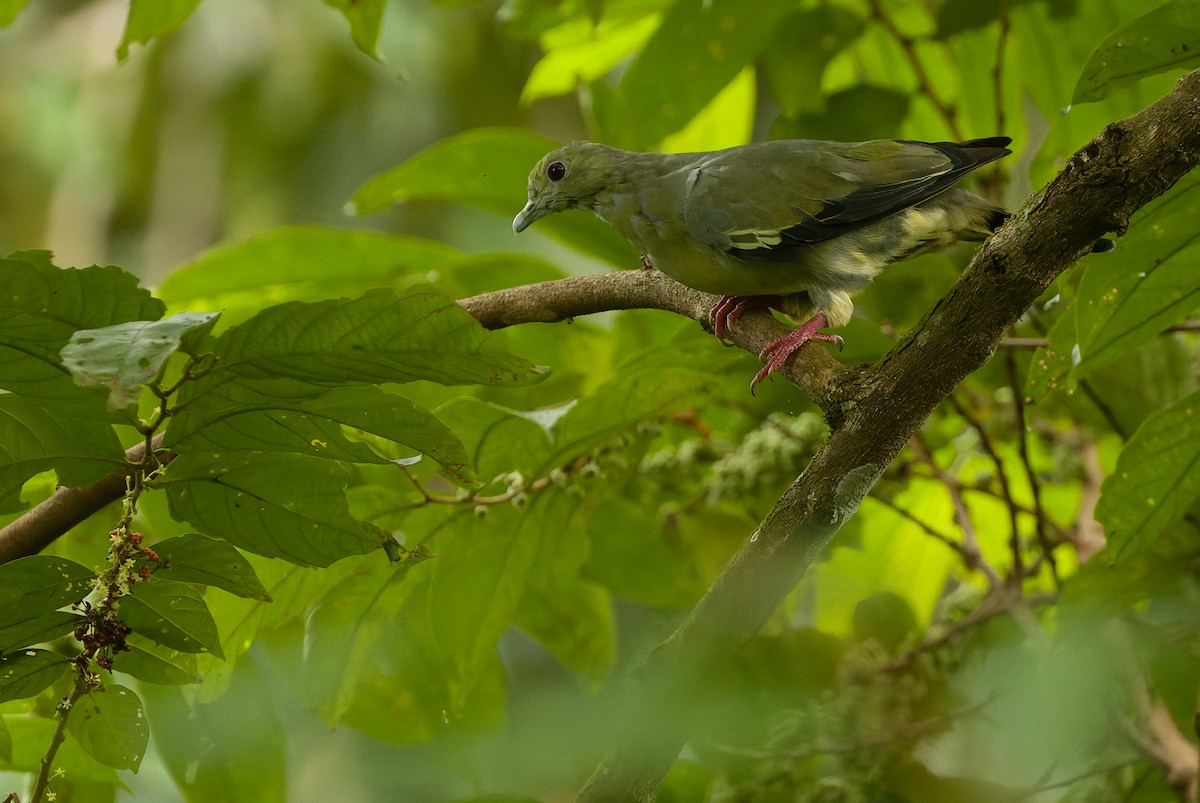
<point x="927" y="528"/>
<point x="1002" y="476"/>
<point x="1035" y="488"/>
<point x="924" y="83"/>
<point x="970" y="543"/>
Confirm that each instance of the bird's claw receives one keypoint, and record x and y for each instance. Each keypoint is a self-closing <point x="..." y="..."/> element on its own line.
<point x="777" y="352"/>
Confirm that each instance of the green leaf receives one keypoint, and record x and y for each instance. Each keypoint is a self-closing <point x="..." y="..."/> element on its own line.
<point x="6" y="743"/>
<point x="232" y="749"/>
<point x="46" y="627"/>
<point x="171" y="614"/>
<point x="126" y="356"/>
<point x="150" y="18"/>
<point x="1166" y="38"/>
<point x="41" y="306"/>
<point x="277" y="505"/>
<point x="365" y="18"/>
<point x="36" y="438"/>
<point x="9" y="9"/>
<point x="26" y="673"/>
<point x="497" y="440"/>
<point x="959" y="16"/>
<point x="1127" y="298"/>
<point x="860" y="112"/>
<point x="374" y="338"/>
<point x="570" y="616"/>
<point x="348" y="632"/>
<point x="484" y="167"/>
<point x="639" y="391"/>
<point x="111" y="727"/>
<point x="291" y="416"/>
<point x="488" y="168"/>
<point x="697" y="50"/>
<point x="303" y="262"/>
<point x="31" y="735"/>
<point x="1156" y="480"/>
<point x="36" y="585"/>
<point x="803" y="44"/>
<point x="154" y="663"/>
<point x="580" y="52"/>
<point x="195" y="558"/>
<point x="479" y="576"/>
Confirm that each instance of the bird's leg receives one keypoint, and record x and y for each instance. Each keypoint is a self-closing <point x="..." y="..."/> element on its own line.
<point x="777" y="351"/>
<point x="728" y="310"/>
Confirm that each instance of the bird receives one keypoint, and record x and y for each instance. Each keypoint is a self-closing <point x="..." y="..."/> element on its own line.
<point x="793" y="225"/>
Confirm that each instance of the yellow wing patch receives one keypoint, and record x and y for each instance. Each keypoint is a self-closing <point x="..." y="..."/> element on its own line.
<point x="750" y="239"/>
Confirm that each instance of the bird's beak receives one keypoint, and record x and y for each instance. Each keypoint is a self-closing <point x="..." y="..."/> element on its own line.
<point x="530" y="213"/>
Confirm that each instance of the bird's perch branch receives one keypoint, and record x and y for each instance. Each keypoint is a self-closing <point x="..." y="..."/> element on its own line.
<point x="37" y="529"/>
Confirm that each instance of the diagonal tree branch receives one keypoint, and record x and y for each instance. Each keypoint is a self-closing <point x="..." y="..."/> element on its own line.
<point x="1130" y="163"/>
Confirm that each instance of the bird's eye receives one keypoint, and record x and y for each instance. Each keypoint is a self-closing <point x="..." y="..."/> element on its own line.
<point x="556" y="171"/>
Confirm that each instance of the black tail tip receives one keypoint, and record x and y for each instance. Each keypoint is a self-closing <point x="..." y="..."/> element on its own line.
<point x="995" y="218"/>
<point x="1103" y="246"/>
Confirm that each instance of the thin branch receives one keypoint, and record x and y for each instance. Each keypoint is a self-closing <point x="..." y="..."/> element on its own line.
<point x="970" y="543"/>
<point x="1035" y="486"/>
<point x="1002" y="475"/>
<point x="928" y="88"/>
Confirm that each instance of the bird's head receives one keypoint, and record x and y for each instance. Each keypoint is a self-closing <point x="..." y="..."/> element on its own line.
<point x="567" y="178"/>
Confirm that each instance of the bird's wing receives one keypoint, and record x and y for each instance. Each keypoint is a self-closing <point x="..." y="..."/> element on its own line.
<point x="759" y="201"/>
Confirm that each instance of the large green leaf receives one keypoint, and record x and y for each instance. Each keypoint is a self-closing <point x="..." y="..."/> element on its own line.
<point x="25" y="673"/>
<point x="497" y="440"/>
<point x="305" y="263"/>
<point x="697" y="50"/>
<point x="46" y="627"/>
<point x="38" y="584"/>
<point x="371" y="339"/>
<point x="349" y="632"/>
<point x="580" y="52"/>
<point x="572" y="617"/>
<point x="151" y="18"/>
<point x="154" y="663"/>
<point x="172" y="614"/>
<point x="1130" y="296"/>
<point x="35" y="438"/>
<point x="1156" y="480"/>
<point x="230" y="749"/>
<point x="278" y="505"/>
<point x="31" y="735"/>
<point x="640" y="390"/>
<point x="195" y="558"/>
<point x="479" y="577"/>
<point x="488" y="168"/>
<point x="313" y="263"/>
<point x="290" y="416"/>
<point x="124" y="357"/>
<point x="365" y="18"/>
<point x="801" y="47"/>
<point x="1165" y="38"/>
<point x="9" y="9"/>
<point x="111" y="727"/>
<point x="41" y="306"/>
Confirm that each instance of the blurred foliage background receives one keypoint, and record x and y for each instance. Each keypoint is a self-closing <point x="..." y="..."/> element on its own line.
<point x="967" y="636"/>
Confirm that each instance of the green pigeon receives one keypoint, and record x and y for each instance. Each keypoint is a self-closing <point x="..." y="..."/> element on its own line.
<point x="794" y="225"/>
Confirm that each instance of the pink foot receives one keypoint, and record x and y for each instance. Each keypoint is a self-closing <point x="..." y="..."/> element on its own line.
<point x="777" y="352"/>
<point x="729" y="309"/>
